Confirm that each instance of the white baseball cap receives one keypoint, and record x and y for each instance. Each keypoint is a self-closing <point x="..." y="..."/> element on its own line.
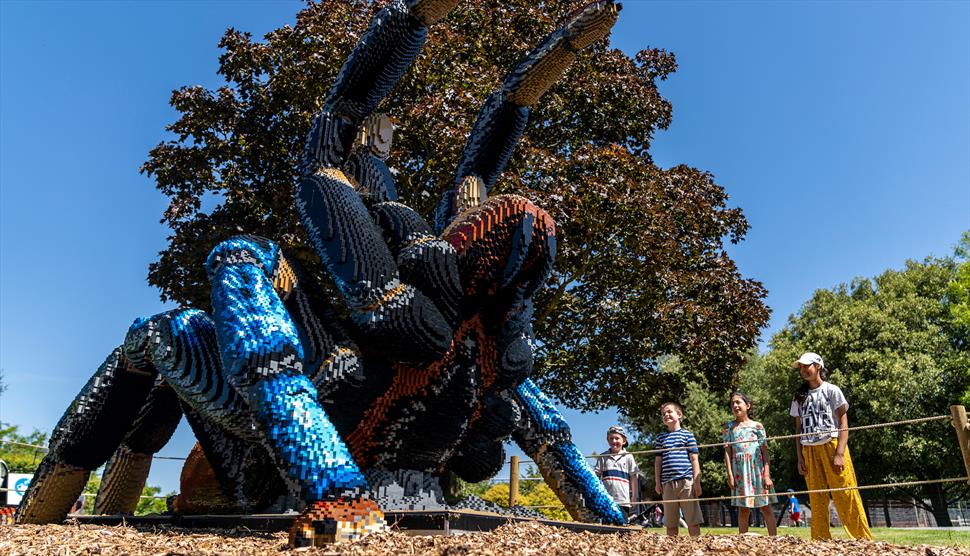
<point x="809" y="358"/>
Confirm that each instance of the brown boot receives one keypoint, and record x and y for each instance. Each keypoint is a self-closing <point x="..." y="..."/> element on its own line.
<point x="327" y="522"/>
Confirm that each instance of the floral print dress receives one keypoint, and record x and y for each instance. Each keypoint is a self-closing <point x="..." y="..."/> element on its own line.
<point x="748" y="465"/>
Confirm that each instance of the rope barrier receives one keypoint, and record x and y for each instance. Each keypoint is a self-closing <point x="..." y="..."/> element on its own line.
<point x="840" y="489"/>
<point x="772" y="438"/>
<point x="46" y="449"/>
<point x="654" y="451"/>
<point x="858" y="428"/>
<point x="86" y="494"/>
<point x="787" y="437"/>
<point x="24" y="444"/>
<point x="784" y="494"/>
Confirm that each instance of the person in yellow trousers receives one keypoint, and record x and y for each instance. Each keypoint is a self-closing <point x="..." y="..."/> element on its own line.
<point x="819" y="409"/>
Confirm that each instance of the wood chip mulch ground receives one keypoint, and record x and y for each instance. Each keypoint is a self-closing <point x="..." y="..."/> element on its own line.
<point x="521" y="538"/>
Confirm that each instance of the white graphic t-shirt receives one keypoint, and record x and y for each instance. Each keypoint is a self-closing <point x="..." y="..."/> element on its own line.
<point x="818" y="413"/>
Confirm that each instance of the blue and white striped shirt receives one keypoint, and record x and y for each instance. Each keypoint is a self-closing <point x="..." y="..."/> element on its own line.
<point x="676" y="463"/>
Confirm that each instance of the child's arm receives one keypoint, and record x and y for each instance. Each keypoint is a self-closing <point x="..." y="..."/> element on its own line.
<point x="798" y="447"/>
<point x="767" y="459"/>
<point x="657" y="464"/>
<point x="696" y="465"/>
<point x="838" y="460"/>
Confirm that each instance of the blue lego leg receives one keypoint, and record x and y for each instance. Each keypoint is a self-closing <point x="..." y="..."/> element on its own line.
<point x="544" y="435"/>
<point x="262" y="359"/>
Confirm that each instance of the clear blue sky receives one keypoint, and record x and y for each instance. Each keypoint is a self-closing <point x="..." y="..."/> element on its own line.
<point x="842" y="129"/>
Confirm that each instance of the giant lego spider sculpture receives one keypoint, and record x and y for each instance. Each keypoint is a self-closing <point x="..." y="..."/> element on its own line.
<point x="430" y="374"/>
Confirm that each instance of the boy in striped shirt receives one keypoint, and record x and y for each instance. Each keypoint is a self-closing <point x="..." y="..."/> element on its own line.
<point x="678" y="472"/>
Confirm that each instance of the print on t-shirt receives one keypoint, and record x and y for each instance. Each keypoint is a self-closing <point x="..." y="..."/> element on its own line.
<point x="817" y="416"/>
<point x="818" y="413"/>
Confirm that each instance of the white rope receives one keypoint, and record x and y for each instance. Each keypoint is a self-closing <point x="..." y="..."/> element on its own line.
<point x="46" y="449"/>
<point x="15" y="443"/>
<point x="772" y="438"/>
<point x="86" y="494"/>
<point x="654" y="451"/>
<point x="784" y="494"/>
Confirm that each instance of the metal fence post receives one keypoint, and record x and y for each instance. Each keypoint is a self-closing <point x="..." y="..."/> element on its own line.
<point x="514" y="481"/>
<point x="959" y="414"/>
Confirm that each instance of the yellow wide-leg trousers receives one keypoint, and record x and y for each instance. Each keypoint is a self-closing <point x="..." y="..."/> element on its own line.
<point x="821" y="475"/>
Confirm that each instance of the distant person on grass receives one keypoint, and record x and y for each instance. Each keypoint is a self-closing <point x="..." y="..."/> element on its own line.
<point x="678" y="472"/>
<point x="820" y="410"/>
<point x="748" y="464"/>
<point x="794" y="509"/>
<point x="619" y="472"/>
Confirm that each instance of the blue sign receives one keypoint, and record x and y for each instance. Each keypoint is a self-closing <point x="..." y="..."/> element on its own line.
<point x="21" y="486"/>
<point x="18" y="483"/>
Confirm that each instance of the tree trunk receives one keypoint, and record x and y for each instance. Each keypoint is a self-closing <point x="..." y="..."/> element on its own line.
<point x="939" y="505"/>
<point x="885" y="511"/>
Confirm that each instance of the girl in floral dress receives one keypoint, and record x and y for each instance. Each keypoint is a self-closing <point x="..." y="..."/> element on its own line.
<point x="748" y="465"/>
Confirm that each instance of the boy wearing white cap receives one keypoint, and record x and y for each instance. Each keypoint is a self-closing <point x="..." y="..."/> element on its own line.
<point x="618" y="470"/>
<point x="820" y="412"/>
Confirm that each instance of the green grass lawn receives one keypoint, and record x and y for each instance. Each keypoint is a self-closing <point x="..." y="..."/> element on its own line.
<point x="937" y="537"/>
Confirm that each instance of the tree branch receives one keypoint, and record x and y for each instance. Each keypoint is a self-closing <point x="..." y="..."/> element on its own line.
<point x="561" y="289"/>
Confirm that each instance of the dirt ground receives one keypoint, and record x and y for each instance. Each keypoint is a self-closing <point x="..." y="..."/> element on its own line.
<point x="520" y="538"/>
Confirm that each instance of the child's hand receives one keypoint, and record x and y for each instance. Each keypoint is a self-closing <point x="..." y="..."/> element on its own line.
<point x="801" y="467"/>
<point x="838" y="463"/>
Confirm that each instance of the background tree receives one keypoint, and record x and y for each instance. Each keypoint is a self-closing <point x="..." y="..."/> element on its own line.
<point x="894" y="347"/>
<point x="152" y="505"/>
<point x="534" y="493"/>
<point x="232" y="165"/>
<point x="17" y="451"/>
<point x="959" y="298"/>
<point x="497" y="493"/>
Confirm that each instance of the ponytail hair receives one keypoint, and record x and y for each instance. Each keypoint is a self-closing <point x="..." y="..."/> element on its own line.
<point x="802" y="391"/>
<point x="747" y="400"/>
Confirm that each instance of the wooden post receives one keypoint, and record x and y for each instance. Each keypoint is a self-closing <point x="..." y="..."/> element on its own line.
<point x="959" y="414"/>
<point x="514" y="482"/>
